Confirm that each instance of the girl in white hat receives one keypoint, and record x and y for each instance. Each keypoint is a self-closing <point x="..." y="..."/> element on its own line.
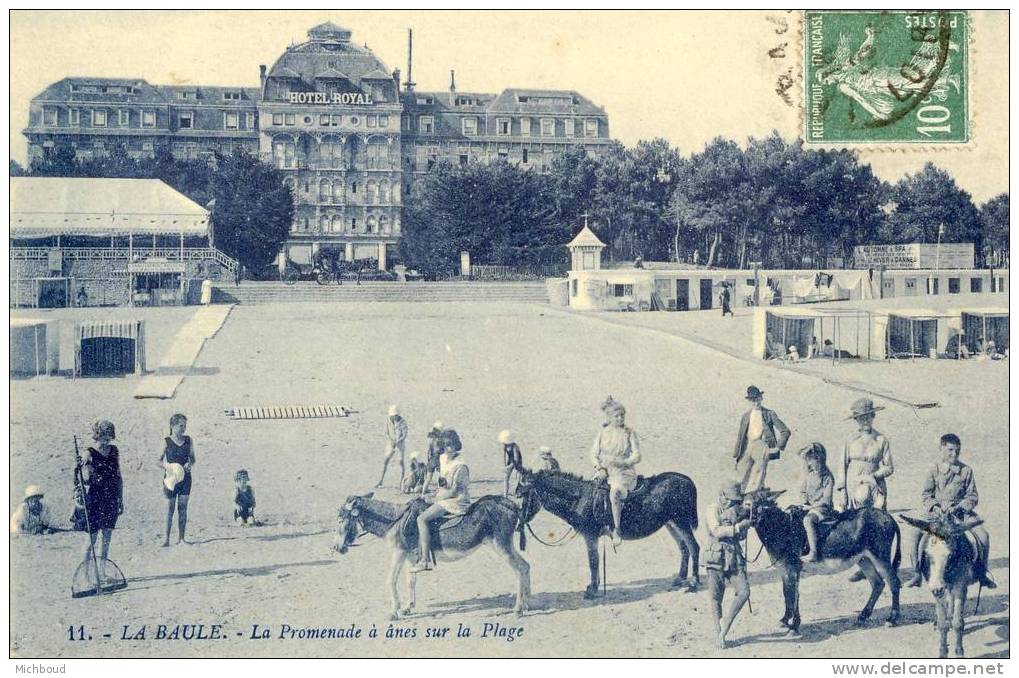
<point x="396" y="436"/>
<point x="615" y="453"/>
<point x="415" y="479"/>
<point x="31" y="516"/>
<point x="512" y="460"/>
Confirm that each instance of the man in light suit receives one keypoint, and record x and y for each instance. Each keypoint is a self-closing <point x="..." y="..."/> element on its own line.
<point x="762" y="437"/>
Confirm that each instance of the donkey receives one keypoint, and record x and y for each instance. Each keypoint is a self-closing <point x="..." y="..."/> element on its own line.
<point x="665" y="500"/>
<point x="947" y="564"/>
<point x="489" y="520"/>
<point x="865" y="537"/>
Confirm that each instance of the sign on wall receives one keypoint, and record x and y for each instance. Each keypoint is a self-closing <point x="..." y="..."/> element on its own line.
<point x="914" y="256"/>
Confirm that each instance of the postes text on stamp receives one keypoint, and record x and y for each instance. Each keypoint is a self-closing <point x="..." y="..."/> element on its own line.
<point x="886" y="77"/>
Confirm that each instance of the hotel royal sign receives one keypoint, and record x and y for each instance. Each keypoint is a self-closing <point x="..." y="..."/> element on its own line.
<point x="345" y="98"/>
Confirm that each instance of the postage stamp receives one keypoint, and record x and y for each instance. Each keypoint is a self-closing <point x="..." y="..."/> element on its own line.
<point x="886" y="77"/>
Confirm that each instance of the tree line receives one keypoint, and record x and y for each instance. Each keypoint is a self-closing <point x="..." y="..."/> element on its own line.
<point x="770" y="201"/>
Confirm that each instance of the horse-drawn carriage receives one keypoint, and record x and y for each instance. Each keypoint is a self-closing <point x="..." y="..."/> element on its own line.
<point x="327" y="266"/>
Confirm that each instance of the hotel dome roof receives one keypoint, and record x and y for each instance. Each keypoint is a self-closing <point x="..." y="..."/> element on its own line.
<point x="328" y="53"/>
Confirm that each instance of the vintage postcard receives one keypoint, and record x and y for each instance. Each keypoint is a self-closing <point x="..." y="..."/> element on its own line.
<point x="473" y="334"/>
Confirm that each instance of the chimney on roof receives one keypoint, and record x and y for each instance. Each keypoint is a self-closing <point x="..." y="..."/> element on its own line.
<point x="396" y="79"/>
<point x="452" y="87"/>
<point x="261" y="75"/>
<point x="410" y="59"/>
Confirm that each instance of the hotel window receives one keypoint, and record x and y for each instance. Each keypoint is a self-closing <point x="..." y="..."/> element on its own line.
<point x="337" y="191"/>
<point x="470" y="126"/>
<point x="187" y="119"/>
<point x="426" y="124"/>
<point x="525" y="127"/>
<point x="503" y="154"/>
<point x="548" y="127"/>
<point x="99" y="118"/>
<point x="330" y="155"/>
<point x="1001" y="284"/>
<point x="231" y="120"/>
<point x="622" y="290"/>
<point x="353" y="224"/>
<point x="284" y="154"/>
<point x="336" y="120"/>
<point x="277" y="118"/>
<point x="976" y="285"/>
<point x="148" y="118"/>
<point x="371" y="120"/>
<point x="953" y="285"/>
<point x="353" y="188"/>
<point x="182" y="95"/>
<point x="568" y="126"/>
<point x="337" y="224"/>
<point x="378" y="155"/>
<point x="370" y="223"/>
<point x="325" y="190"/>
<point x="232" y="96"/>
<point x="932" y="286"/>
<point x="49" y="117"/>
<point x="124" y="117"/>
<point x="249" y="120"/>
<point x="74" y="116"/>
<point x="323" y="120"/>
<point x="383" y="121"/>
<point x="503" y="127"/>
<point x="590" y="128"/>
<point x="289" y="119"/>
<point x="524" y="156"/>
<point x="464" y="159"/>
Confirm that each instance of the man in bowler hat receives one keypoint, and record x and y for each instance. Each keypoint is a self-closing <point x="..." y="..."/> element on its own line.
<point x="762" y="437"/>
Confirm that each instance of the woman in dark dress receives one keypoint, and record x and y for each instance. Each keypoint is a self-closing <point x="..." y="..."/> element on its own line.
<point x="104" y="487"/>
<point x="178" y="450"/>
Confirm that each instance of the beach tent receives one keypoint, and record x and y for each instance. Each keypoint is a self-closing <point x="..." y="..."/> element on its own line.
<point x="35" y="346"/>
<point x="912" y="334"/>
<point x="850" y="332"/>
<point x="105" y="348"/>
<point x="989" y="323"/>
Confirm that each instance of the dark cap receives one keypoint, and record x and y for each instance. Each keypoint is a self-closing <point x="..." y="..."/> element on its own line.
<point x="753" y="393"/>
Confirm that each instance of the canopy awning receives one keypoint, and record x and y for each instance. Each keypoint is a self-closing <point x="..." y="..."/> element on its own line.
<point x="48" y="206"/>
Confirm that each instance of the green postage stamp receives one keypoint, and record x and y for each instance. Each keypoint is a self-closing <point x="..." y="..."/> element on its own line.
<point x="886" y="77"/>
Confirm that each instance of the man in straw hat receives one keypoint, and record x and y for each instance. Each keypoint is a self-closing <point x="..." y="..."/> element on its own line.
<point x="950" y="489"/>
<point x="727" y="522"/>
<point x="615" y="452"/>
<point x="512" y="459"/>
<point x="396" y="435"/>
<point x="762" y="437"/>
<point x="31" y="516"/>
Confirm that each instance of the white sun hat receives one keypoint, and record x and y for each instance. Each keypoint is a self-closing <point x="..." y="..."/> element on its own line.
<point x="506" y="437"/>
<point x="174" y="474"/>
<point x="33" y="491"/>
<point x="438" y="426"/>
<point x="393" y="410"/>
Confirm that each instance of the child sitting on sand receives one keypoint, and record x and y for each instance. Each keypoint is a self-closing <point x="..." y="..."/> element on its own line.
<point x="244" y="499"/>
<point x="413" y="481"/>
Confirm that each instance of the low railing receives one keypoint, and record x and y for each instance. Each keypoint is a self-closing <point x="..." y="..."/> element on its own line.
<point x="487" y="272"/>
<point x="108" y="253"/>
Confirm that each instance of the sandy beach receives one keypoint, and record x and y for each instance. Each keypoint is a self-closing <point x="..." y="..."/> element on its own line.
<point x="480" y="368"/>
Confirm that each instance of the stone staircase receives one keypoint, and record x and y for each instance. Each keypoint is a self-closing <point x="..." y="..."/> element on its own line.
<point x="250" y="292"/>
